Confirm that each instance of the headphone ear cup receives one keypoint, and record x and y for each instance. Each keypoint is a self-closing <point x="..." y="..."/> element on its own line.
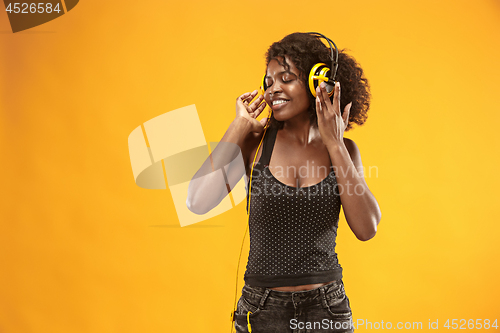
<point x="318" y="74"/>
<point x="263" y="86"/>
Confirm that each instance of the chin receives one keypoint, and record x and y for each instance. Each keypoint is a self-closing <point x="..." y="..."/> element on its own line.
<point x="280" y="118"/>
<point x="281" y="115"/>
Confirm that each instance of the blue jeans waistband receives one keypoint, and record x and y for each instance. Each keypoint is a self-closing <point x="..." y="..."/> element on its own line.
<point x="262" y="295"/>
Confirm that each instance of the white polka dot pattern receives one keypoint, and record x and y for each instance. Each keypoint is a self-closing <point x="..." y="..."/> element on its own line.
<point x="292" y="229"/>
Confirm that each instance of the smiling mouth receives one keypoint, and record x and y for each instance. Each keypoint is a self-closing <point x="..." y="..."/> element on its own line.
<point x="279" y="102"/>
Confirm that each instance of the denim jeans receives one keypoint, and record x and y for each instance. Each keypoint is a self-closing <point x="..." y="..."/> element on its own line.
<point x="324" y="309"/>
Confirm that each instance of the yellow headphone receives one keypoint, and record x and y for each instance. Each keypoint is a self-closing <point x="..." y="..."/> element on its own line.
<point x="320" y="72"/>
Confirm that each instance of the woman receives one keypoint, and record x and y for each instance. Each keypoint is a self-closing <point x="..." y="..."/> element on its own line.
<point x="304" y="170"/>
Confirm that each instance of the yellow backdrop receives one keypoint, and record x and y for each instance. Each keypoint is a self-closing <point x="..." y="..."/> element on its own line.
<point x="84" y="249"/>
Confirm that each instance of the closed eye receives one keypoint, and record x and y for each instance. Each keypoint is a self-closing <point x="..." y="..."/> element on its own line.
<point x="288" y="77"/>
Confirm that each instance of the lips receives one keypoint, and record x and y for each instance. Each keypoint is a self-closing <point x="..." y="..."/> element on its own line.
<point x="279" y="103"/>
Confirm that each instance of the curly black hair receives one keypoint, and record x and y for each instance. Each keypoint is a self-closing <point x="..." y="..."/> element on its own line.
<point x="306" y="50"/>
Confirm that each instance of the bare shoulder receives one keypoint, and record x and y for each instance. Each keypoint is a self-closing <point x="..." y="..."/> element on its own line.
<point x="354" y="153"/>
<point x="352" y="148"/>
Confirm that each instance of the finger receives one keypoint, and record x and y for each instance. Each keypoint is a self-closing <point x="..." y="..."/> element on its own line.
<point x="335" y="106"/>
<point x="260" y="108"/>
<point x="336" y="98"/>
<point x="323" y="98"/>
<point x="255" y="104"/>
<point x="251" y="96"/>
<point x="347" y="111"/>
<point x="263" y="121"/>
<point x="324" y="92"/>
<point x="319" y="108"/>
<point x="243" y="97"/>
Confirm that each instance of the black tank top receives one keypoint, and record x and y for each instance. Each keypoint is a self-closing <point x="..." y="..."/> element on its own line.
<point x="292" y="229"/>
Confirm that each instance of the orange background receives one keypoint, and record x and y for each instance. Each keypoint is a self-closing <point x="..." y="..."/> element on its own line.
<point x="84" y="249"/>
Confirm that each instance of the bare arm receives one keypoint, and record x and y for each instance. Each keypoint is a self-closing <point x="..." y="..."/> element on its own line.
<point x="222" y="170"/>
<point x="360" y="207"/>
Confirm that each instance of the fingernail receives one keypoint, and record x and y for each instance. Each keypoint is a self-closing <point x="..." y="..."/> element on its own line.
<point x="322" y="84"/>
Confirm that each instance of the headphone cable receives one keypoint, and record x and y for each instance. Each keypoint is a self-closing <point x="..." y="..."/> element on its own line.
<point x="233" y="314"/>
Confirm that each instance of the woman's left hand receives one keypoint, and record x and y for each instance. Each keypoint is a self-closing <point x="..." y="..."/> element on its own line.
<point x="331" y="123"/>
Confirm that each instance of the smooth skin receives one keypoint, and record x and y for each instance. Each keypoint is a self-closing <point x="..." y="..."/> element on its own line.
<point x="301" y="144"/>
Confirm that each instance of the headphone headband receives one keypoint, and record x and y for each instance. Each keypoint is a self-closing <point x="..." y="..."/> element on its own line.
<point x="335" y="62"/>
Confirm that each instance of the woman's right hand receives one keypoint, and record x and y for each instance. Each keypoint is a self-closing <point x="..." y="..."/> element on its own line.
<point x="250" y="111"/>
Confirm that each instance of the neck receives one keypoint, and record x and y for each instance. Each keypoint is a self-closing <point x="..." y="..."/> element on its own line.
<point x="300" y="129"/>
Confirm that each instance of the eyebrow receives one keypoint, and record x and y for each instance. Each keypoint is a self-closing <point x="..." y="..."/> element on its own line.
<point x="283" y="72"/>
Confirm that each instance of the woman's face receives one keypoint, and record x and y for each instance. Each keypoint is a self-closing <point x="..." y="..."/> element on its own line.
<point x="286" y="94"/>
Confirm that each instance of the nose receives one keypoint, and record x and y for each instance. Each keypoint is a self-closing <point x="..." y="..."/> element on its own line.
<point x="275" y="88"/>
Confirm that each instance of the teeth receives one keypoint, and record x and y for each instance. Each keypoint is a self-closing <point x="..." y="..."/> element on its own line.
<point x="279" y="101"/>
